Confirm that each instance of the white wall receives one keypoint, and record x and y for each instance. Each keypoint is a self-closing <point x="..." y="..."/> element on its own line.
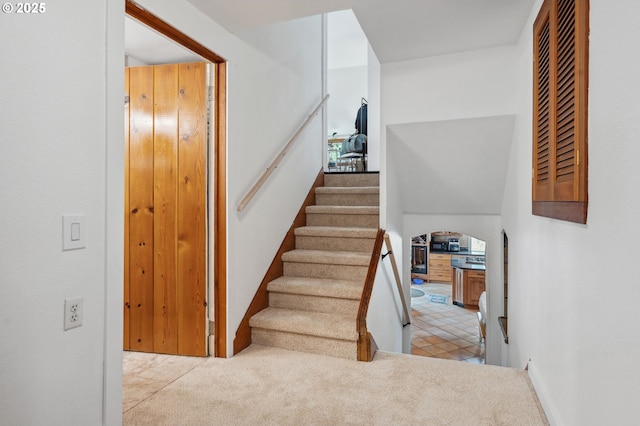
<point x="479" y="83"/>
<point x="62" y="153"/>
<point x="114" y="156"/>
<point x="346" y="86"/>
<point x="275" y="94"/>
<point x="56" y="144"/>
<point x="373" y="111"/>
<point x="385" y="318"/>
<point x="132" y="61"/>
<point x="462" y="85"/>
<point x="274" y="83"/>
<point x="571" y="287"/>
<point x="346" y="70"/>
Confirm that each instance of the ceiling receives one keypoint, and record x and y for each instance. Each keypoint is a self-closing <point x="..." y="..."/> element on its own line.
<point x="397" y="30"/>
<point x="445" y="167"/>
<point x="242" y="14"/>
<point x="401" y="30"/>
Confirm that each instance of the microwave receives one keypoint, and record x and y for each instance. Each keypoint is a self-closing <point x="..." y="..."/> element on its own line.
<point x="439" y="246"/>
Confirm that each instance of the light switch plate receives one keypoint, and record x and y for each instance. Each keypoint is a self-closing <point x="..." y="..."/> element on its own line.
<point x="74" y="232"/>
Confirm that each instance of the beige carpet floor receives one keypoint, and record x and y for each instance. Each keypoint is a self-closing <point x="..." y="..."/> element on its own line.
<point x="271" y="386"/>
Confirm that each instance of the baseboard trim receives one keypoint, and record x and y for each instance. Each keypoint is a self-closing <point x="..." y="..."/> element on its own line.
<point x="543" y="395"/>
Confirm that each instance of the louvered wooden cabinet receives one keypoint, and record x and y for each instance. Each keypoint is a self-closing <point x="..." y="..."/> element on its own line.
<point x="560" y="94"/>
<point x="440" y="268"/>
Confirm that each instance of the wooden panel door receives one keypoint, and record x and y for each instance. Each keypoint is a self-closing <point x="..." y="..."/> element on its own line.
<point x="165" y="220"/>
<point x="140" y="213"/>
<point x="165" y="230"/>
<point x="192" y="174"/>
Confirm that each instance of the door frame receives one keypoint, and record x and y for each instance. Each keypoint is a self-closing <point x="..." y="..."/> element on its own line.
<point x="219" y="226"/>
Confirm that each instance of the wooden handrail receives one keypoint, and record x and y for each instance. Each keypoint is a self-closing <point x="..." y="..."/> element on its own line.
<point x="406" y="318"/>
<point x="274" y="164"/>
<point x="364" y="338"/>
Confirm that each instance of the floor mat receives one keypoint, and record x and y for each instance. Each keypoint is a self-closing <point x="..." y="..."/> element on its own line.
<point x="416" y="293"/>
<point x="437" y="298"/>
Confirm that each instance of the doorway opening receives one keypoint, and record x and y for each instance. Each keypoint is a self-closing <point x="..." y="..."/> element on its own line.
<point x="447" y="281"/>
<point x="347" y="80"/>
<point x="213" y="295"/>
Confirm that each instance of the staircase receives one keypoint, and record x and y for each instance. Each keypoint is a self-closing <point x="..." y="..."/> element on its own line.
<point x="314" y="305"/>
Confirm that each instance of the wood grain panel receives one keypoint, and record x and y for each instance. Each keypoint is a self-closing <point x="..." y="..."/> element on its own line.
<point x="165" y="164"/>
<point x="141" y="208"/>
<point x="565" y="175"/>
<point x="191" y="268"/>
<point x="366" y="350"/>
<point x="542" y="129"/>
<point x="126" y="307"/>
<point x="220" y="221"/>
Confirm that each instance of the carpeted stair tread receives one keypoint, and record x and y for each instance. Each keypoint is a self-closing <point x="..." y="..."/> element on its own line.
<point x="348" y="190"/>
<point x="317" y="287"/>
<point x="327" y="257"/>
<point x="306" y="323"/>
<point x="351" y="179"/>
<point x="355" y="210"/>
<point x="313" y="307"/>
<point x="336" y="231"/>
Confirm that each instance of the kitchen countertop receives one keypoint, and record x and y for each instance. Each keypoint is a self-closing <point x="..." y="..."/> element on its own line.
<point x="470" y="266"/>
<point x="458" y="253"/>
<point x="462" y="263"/>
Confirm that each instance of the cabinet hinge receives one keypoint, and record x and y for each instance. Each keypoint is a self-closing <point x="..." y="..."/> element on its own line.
<point x="577" y="157"/>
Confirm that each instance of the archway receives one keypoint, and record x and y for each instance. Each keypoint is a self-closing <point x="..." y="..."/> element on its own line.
<point x="448" y="277"/>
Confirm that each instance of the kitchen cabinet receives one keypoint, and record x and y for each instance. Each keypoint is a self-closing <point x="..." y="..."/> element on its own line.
<point x="440" y="268"/>
<point x="468" y="285"/>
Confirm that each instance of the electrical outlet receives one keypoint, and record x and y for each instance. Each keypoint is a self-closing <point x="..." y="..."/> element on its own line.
<point x="73" y="313"/>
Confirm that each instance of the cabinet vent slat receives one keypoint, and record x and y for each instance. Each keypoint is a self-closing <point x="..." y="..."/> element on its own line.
<point x="566" y="124"/>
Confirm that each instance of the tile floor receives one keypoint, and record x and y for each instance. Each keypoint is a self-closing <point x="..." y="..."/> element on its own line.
<point x="144" y="374"/>
<point x="444" y="330"/>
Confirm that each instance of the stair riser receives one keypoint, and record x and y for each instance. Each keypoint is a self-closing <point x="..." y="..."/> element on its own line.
<point x="352" y="179"/>
<point x="364" y="245"/>
<point x="303" y="343"/>
<point x="318" y="270"/>
<point x="347" y="200"/>
<point x="354" y="220"/>
<point x="302" y="302"/>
